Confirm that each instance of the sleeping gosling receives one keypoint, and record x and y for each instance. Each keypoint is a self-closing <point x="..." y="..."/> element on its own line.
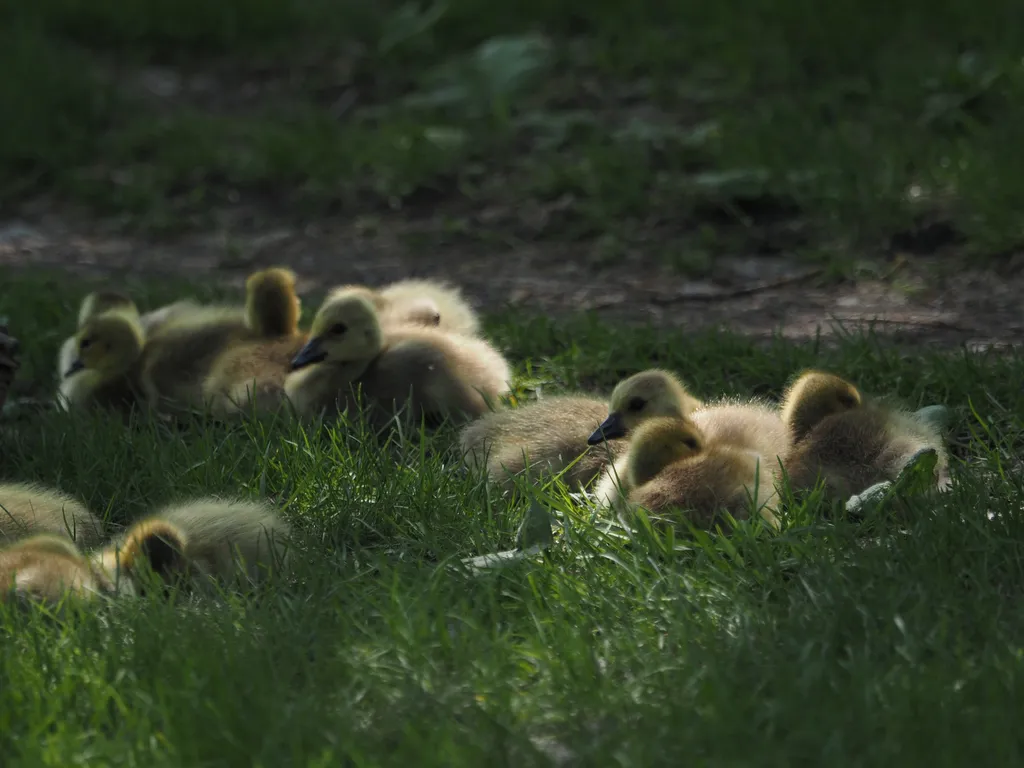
<point x="438" y="374"/>
<point x="848" y="441"/>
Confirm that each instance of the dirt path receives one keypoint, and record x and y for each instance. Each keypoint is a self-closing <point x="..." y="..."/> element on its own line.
<point x="924" y="300"/>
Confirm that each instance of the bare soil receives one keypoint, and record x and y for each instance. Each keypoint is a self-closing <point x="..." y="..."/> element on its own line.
<point x="936" y="299"/>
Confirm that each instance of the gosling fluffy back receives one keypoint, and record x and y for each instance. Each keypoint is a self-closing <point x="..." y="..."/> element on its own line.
<point x="28" y="509"/>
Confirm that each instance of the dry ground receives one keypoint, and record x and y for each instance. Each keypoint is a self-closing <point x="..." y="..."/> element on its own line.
<point x="936" y="299"/>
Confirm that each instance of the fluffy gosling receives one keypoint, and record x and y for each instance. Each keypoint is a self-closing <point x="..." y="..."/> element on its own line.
<point x="848" y="441"/>
<point x="439" y="374"/>
<point x="104" y="367"/>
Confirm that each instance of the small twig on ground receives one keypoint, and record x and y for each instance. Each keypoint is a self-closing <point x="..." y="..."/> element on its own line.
<point x="899" y="264"/>
<point x="941" y="324"/>
<point x="750" y="290"/>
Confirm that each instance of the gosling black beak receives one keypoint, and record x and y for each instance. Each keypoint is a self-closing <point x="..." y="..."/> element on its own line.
<point x="76" y="366"/>
<point x="309" y="354"/>
<point x="610" y="428"/>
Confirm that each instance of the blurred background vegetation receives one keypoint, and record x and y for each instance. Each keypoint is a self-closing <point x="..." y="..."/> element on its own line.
<point x="788" y="126"/>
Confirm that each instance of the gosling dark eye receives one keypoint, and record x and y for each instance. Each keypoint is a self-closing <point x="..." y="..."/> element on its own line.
<point x="85" y="343"/>
<point x="636" y="404"/>
<point x="692" y="444"/>
<point x="338" y="329"/>
<point x="847" y="400"/>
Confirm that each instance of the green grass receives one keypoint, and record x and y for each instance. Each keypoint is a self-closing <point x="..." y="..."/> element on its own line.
<point x="836" y="642"/>
<point x="744" y="124"/>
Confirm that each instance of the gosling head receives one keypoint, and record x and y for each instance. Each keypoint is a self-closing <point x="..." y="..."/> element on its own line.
<point x="346" y="329"/>
<point x="98" y="302"/>
<point x="640" y="397"/>
<point x="272" y="307"/>
<point x="813" y="397"/>
<point x="421" y="310"/>
<point x="109" y="344"/>
<point x="659" y="442"/>
<point x="150" y="548"/>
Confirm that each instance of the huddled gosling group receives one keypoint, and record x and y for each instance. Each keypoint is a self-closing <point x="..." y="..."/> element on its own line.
<point x="660" y="448"/>
<point x="416" y="347"/>
<point x="415" y="341"/>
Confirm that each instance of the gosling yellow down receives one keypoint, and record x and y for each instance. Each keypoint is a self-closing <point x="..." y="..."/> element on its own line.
<point x="561" y="434"/>
<point x="438" y="374"/>
<point x="848" y="441"/>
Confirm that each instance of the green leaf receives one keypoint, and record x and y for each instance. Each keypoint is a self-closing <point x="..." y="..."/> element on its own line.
<point x="496" y="560"/>
<point x="408" y="23"/>
<point x="938" y="416"/>
<point x="507" y="64"/>
<point x="918" y="476"/>
<point x="498" y="71"/>
<point x="535" y="530"/>
<point x="533" y="537"/>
